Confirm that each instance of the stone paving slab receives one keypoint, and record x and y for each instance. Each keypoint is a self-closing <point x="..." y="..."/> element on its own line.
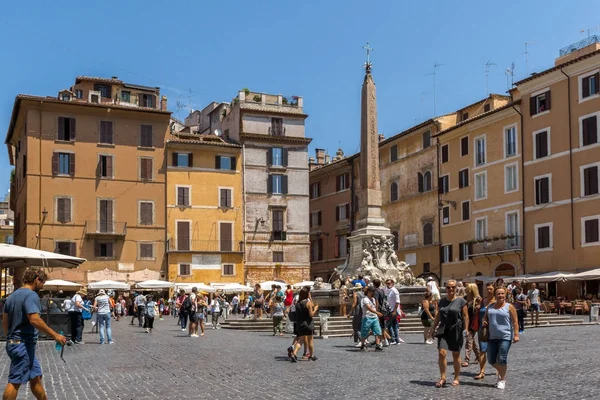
<point x="552" y="363"/>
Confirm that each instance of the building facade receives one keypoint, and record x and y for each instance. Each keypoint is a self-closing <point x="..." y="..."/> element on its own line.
<point x="204" y="209"/>
<point x="90" y="178"/>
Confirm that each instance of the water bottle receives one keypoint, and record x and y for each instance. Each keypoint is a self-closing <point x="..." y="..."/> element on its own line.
<point x="58" y="346"/>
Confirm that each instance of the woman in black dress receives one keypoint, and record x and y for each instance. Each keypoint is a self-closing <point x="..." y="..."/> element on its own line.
<point x="305" y="311"/>
<point x="451" y="323"/>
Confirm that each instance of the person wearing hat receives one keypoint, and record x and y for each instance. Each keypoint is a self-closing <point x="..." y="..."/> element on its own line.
<point x="432" y="286"/>
<point x="75" y="316"/>
<point x="102" y="307"/>
<point x="370" y="320"/>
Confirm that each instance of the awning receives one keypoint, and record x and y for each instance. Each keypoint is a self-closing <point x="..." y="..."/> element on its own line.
<point x="16" y="256"/>
<point x="154" y="284"/>
<point x="108" y="284"/>
<point x="231" y="287"/>
<point x="267" y="285"/>
<point x="59" y="284"/>
<point x="188" y="286"/>
<point x="303" y="283"/>
<point x="590" y="275"/>
<point x="555" y="276"/>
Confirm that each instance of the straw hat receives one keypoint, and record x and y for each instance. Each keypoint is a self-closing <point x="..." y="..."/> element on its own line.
<point x="82" y="291"/>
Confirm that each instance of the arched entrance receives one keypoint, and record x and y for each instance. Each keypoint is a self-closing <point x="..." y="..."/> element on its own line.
<point x="505" y="269"/>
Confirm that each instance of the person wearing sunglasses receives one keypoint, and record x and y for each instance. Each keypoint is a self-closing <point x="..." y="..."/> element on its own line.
<point x="451" y="323"/>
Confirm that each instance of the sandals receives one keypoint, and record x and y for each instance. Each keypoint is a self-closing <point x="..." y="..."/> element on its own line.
<point x="479" y="376"/>
<point x="455" y="382"/>
<point x="440" y="383"/>
<point x="465" y="364"/>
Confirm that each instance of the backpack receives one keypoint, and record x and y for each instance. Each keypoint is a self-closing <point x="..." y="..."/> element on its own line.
<point x="187" y="304"/>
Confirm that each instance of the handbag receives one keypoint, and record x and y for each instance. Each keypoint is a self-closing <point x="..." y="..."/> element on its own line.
<point x="440" y="331"/>
<point x="484" y="334"/>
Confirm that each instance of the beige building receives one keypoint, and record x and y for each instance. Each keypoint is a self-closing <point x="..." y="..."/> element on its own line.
<point x="90" y="177"/>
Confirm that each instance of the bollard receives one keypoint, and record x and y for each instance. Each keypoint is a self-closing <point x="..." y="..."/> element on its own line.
<point x="324" y="319"/>
<point x="594" y="313"/>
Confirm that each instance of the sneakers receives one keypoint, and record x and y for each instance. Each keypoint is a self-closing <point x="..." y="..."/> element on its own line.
<point x="359" y="344"/>
<point x="183" y="329"/>
<point x="194" y="335"/>
<point x="111" y="342"/>
<point x="429" y="341"/>
<point x="400" y="341"/>
<point x="378" y="347"/>
<point x="147" y="331"/>
<point x="501" y="384"/>
<point x="386" y="343"/>
<point x="214" y="327"/>
<point x="521" y="332"/>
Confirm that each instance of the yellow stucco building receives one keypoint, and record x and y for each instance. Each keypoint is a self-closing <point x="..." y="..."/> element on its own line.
<point x="204" y="210"/>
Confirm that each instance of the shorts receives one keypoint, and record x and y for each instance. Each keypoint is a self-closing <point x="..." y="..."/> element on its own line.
<point x="370" y="324"/>
<point x="257" y="305"/>
<point x="23" y="364"/>
<point x="200" y="316"/>
<point x="193" y="317"/>
<point x="497" y="351"/>
<point x="535" y="307"/>
<point x="426" y="322"/>
<point x="435" y="296"/>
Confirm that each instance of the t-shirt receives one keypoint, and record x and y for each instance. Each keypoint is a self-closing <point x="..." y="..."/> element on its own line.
<point x="355" y="281"/>
<point x="140" y="301"/>
<point x="67" y="304"/>
<point x="278" y="309"/>
<point x="451" y="312"/>
<point x="103" y="304"/>
<point x="74" y="300"/>
<point x="235" y="300"/>
<point x="432" y="286"/>
<point x="379" y="296"/>
<point x="193" y="300"/>
<point x="150" y="308"/>
<point x="534" y="296"/>
<point x="365" y="310"/>
<point x="280" y="294"/>
<point x="214" y="306"/>
<point x="393" y="297"/>
<point x="521" y="297"/>
<point x="18" y="306"/>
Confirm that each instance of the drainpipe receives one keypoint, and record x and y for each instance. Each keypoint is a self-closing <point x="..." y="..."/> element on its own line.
<point x="570" y="158"/>
<point x="437" y="162"/>
<point x="39" y="241"/>
<point x="522" y="193"/>
<point x="244" y="211"/>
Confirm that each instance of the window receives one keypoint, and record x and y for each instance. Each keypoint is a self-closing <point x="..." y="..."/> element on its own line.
<point x="103" y="249"/>
<point x="486" y="107"/>
<point x="79" y="93"/>
<point x="146" y="213"/>
<point x="426" y="139"/>
<point x="481" y="186"/>
<point x="510" y="178"/>
<point x="424" y="181"/>
<point x="147" y="100"/>
<point x="146" y="168"/>
<point x="105" y="166"/>
<point x="543" y="237"/>
<point x="342" y="182"/>
<point x="466" y="210"/>
<point x="315" y="219"/>
<point x="315" y="190"/>
<point x="445" y="215"/>
<point x="66" y="248"/>
<point x="444" y="185"/>
<point x="277" y="128"/>
<point x="278" y="256"/>
<point x="278" y="224"/>
<point x="427" y="234"/>
<point x="185" y="269"/>
<point x="277" y="157"/>
<point x="316" y="250"/>
<point x="426" y="267"/>
<point x="65" y="97"/>
<point x="394" y="153"/>
<point x="145" y="135"/>
<point x="277" y="184"/>
<point x="94" y="98"/>
<point x="183" y="160"/>
<point x="126" y="96"/>
<point x="589" y="85"/>
<point x="464" y="146"/>
<point x="146" y="251"/>
<point x="66" y="129"/>
<point x="396" y="240"/>
<point x="539" y="103"/>
<point x="183" y="235"/>
<point x="480" y="228"/>
<point x="105" y="216"/>
<point x="542" y="190"/>
<point x="341" y="244"/>
<point x="590" y="230"/>
<point x="589" y="180"/>
<point x="227" y="163"/>
<point x="105" y="90"/>
<point x="480" y="151"/>
<point x="63" y="210"/>
<point x="225" y="198"/>
<point x="444" y="153"/>
<point x="541" y="144"/>
<point x="463" y="178"/>
<point x="465" y="116"/>
<point x="510" y="141"/>
<point x="63" y="164"/>
<point x="394" y="191"/>
<point x="465" y="250"/>
<point x="183" y="196"/>
<point x="342" y="212"/>
<point x="228" y="270"/>
<point x="589" y="130"/>
<point x="447" y="253"/>
<point x="512" y="228"/>
<point x="225" y="236"/>
<point x="106" y="132"/>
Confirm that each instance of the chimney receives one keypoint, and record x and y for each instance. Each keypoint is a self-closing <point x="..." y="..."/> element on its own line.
<point x="327" y="159"/>
<point x="381" y="137"/>
<point x="311" y="160"/>
<point x="114" y="78"/>
<point x="320" y="156"/>
<point x="163" y="103"/>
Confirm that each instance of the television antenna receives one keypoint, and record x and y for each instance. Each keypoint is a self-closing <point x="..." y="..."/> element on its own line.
<point x="435" y="67"/>
<point x="510" y="72"/>
<point x="487" y="73"/>
<point x="590" y="30"/>
<point x="527" y="57"/>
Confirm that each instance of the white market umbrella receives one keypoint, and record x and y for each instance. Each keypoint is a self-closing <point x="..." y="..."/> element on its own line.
<point x="590" y="275"/>
<point x="267" y="285"/>
<point x="108" y="284"/>
<point x="59" y="284"/>
<point x="17" y="256"/>
<point x="555" y="276"/>
<point x="154" y="284"/>
<point x="231" y="287"/>
<point x="303" y="283"/>
<point x="187" y="286"/>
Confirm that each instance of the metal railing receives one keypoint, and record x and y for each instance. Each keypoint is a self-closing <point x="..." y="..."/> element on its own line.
<point x="215" y="246"/>
<point x="578" y="45"/>
<point x="275" y="131"/>
<point x="105" y="228"/>
<point x="498" y="245"/>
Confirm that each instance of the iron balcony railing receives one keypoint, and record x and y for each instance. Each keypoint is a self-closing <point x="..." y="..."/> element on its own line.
<point x="578" y="45"/>
<point x="213" y="246"/>
<point x="499" y="245"/>
<point x="276" y="131"/>
<point x="105" y="228"/>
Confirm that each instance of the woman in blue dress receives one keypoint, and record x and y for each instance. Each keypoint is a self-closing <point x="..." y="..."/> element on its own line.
<point x="484" y="304"/>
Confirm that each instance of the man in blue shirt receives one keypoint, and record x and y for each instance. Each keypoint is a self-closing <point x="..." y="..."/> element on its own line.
<point x="21" y="321"/>
<point x="360" y="280"/>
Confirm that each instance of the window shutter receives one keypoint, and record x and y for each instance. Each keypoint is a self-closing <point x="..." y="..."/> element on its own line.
<point x="337" y="183"/>
<point x="337" y="213"/>
<point x="72" y="124"/>
<point x="547" y="100"/>
<point x="420" y="182"/>
<point x="544" y="188"/>
<point x="109" y="166"/>
<point x="73" y="249"/>
<point x="337" y="246"/>
<point x="149" y="172"/>
<point x="55" y="169"/>
<point x="174" y="159"/>
<point x="109" y="215"/>
<point x="270" y="184"/>
<point x="320" y="248"/>
<point x="97" y="249"/>
<point x="532" y="110"/>
<point x="60" y="135"/>
<point x="319" y="218"/>
<point x="270" y="157"/>
<point x="284" y="184"/>
<point x="191" y="160"/>
<point x="102" y="138"/>
<point x="285" y="157"/>
<point x="585" y="83"/>
<point x="225" y="233"/>
<point x="143" y="169"/>
<point x="66" y="210"/>
<point x="591" y="180"/>
<point x="347" y="180"/>
<point x="460" y="181"/>
<point x="217" y="162"/>
<point x="464" y="144"/>
<point x="60" y="208"/>
<point x="180" y="196"/>
<point x="441" y="185"/>
<point x="233" y="164"/>
<point x="146" y="213"/>
<point x="347" y="210"/>
<point x="183" y="235"/>
<point x="441" y="254"/>
<point x="597" y="82"/>
<point x="461" y="251"/>
<point x="109" y="249"/>
<point x="592" y="130"/>
<point x="72" y="164"/>
<point x="470" y="246"/>
<point x="450" y="258"/>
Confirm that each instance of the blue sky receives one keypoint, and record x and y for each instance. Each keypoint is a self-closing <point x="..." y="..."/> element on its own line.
<point x="200" y="51"/>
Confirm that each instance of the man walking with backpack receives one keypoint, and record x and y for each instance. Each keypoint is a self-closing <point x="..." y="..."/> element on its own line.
<point x="382" y="307"/>
<point x="140" y="308"/>
<point x="191" y="305"/>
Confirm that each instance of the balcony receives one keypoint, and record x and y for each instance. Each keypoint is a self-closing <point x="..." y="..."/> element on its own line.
<point x="106" y="229"/>
<point x="206" y="246"/>
<point x="277" y="131"/>
<point x="496" y="245"/>
<point x="278" y="235"/>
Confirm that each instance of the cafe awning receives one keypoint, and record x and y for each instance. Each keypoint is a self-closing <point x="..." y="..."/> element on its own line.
<point x="590" y="275"/>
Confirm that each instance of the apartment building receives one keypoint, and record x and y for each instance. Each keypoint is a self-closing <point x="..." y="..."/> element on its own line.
<point x="561" y="157"/>
<point x="204" y="209"/>
<point x="90" y="177"/>
<point x="7" y="222"/>
<point x="270" y="129"/>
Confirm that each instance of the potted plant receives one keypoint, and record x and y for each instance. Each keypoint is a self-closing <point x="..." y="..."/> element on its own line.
<point x="495" y="238"/>
<point x="503" y="237"/>
<point x="257" y="98"/>
<point x="294" y="101"/>
<point x="247" y="91"/>
<point x="284" y="100"/>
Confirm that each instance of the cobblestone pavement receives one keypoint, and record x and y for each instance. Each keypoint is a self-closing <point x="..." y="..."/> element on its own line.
<point x="551" y="363"/>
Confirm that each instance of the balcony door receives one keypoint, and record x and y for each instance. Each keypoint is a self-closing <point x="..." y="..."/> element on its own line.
<point x="512" y="229"/>
<point x="226" y="230"/>
<point x="105" y="222"/>
<point x="183" y="235"/>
